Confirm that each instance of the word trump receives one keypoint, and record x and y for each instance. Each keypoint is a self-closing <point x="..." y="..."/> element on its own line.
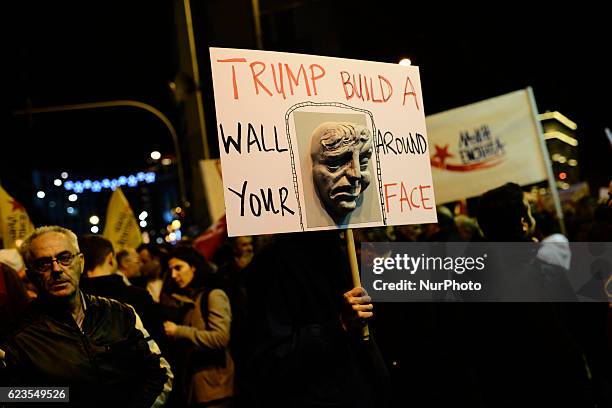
<point x="276" y="78"/>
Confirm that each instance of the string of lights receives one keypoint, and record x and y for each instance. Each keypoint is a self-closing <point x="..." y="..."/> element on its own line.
<point x="96" y="186"/>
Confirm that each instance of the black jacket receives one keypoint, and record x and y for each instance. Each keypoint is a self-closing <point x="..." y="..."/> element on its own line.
<point x="113" y="287"/>
<point x="523" y="353"/>
<point x="111" y="362"/>
<point x="300" y="356"/>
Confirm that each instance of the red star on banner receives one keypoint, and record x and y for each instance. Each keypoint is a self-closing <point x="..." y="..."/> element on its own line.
<point x="441" y="154"/>
<point x="16" y="205"/>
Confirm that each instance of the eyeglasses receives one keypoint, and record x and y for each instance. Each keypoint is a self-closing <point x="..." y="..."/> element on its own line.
<point x="45" y="264"/>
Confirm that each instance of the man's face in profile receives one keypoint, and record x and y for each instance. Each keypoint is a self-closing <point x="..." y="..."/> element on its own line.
<point x="340" y="153"/>
<point x="131" y="264"/>
<point x="529" y="224"/>
<point x="150" y="267"/>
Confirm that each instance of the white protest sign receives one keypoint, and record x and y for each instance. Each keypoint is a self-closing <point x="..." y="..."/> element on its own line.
<point x="310" y="142"/>
<point x="481" y="146"/>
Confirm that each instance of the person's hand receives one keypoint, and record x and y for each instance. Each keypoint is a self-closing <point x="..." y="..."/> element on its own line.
<point x="169" y="328"/>
<point x="356" y="310"/>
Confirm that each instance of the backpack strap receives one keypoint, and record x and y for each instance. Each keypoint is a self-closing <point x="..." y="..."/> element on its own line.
<point x="203" y="297"/>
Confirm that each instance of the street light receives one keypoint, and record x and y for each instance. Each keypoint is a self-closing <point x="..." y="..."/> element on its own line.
<point x="405" y="62"/>
<point x="122" y="104"/>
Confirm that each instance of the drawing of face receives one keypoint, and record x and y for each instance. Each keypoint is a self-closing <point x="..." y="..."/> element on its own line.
<point x="340" y="153"/>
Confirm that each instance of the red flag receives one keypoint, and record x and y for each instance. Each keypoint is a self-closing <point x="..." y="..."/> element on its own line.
<point x="210" y="240"/>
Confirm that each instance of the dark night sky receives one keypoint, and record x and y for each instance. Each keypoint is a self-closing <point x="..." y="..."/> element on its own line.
<point x="59" y="54"/>
<point x="66" y="56"/>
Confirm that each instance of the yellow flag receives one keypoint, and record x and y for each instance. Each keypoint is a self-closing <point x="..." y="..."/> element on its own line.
<point x="15" y="225"/>
<point x="121" y="227"/>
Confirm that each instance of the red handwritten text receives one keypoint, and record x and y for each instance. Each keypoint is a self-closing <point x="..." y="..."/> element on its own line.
<point x="281" y="79"/>
<point x="415" y="199"/>
<point x="361" y="87"/>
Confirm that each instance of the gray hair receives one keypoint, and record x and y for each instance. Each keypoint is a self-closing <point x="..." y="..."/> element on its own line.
<point x="26" y="247"/>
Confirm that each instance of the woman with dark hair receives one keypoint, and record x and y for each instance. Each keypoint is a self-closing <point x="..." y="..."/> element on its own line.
<point x="202" y="337"/>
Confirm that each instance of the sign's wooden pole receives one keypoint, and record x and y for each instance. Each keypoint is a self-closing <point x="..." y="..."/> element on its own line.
<point x="352" y="255"/>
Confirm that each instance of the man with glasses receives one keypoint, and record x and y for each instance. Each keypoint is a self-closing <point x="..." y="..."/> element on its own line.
<point x="95" y="346"/>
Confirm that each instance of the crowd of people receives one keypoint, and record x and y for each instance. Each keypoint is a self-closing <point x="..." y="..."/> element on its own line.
<point x="275" y="321"/>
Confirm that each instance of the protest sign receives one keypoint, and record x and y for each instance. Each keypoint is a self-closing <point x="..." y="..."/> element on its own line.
<point x="310" y="142"/>
<point x="481" y="146"/>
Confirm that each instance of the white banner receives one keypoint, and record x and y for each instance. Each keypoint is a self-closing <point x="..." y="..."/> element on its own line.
<point x="481" y="146"/>
<point x="310" y="142"/>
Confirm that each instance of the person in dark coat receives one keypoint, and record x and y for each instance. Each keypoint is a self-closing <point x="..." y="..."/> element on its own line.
<point x="96" y="346"/>
<point x="100" y="279"/>
<point x="522" y="354"/>
<point x="305" y="320"/>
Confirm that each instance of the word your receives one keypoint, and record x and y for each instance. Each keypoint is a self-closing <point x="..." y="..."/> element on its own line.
<point x="410" y="200"/>
<point x="264" y="201"/>
<point x="413" y="264"/>
<point x="252" y="139"/>
<point x="275" y="78"/>
<point x="416" y="144"/>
